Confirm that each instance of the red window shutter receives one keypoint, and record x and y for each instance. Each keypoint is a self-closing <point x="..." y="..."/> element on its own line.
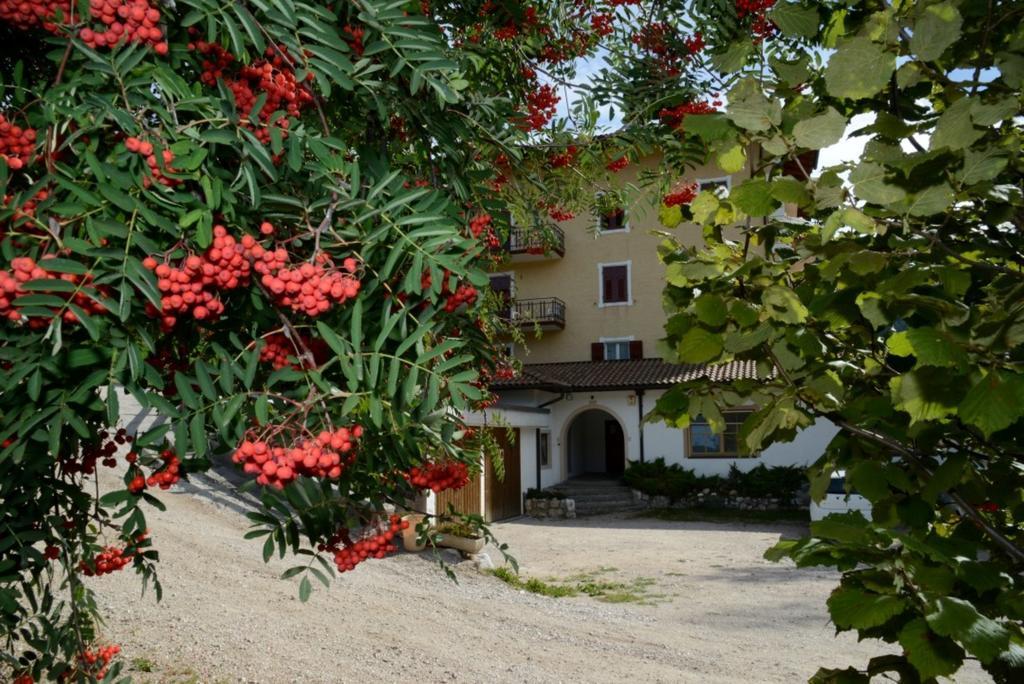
<point x="636" y="349"/>
<point x="596" y="351"/>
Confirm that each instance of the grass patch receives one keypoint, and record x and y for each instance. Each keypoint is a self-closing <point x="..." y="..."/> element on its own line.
<point x="635" y="591"/>
<point x="142" y="664"/>
<point x="725" y="515"/>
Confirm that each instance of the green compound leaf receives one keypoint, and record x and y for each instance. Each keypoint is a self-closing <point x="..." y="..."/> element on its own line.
<point x="853" y="608"/>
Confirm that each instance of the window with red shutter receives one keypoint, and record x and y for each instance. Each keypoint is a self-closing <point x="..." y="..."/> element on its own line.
<point x="596" y="351"/>
<point x="614" y="284"/>
<point x="636" y="349"/>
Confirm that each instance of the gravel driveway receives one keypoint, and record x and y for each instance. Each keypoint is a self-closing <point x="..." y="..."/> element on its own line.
<point x="711" y="611"/>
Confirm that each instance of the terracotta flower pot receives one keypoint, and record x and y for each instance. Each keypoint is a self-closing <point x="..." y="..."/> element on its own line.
<point x="409" y="534"/>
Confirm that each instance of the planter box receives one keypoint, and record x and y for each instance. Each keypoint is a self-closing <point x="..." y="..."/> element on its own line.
<point x="464" y="544"/>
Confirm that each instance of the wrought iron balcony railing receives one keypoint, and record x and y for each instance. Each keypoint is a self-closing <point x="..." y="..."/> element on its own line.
<point x="547" y="312"/>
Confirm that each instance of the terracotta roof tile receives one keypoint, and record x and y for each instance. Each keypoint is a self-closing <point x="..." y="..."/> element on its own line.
<point x="608" y="375"/>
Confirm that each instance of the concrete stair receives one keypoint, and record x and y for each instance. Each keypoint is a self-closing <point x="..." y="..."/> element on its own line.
<point x="595" y="496"/>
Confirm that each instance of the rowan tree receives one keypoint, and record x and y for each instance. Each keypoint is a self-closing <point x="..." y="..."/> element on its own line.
<point x="269" y="222"/>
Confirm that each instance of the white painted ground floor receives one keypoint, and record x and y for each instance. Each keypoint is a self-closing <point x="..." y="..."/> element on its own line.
<point x="559" y="436"/>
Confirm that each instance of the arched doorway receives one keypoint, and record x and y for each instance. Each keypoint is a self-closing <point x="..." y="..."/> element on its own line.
<point x="596" y="445"/>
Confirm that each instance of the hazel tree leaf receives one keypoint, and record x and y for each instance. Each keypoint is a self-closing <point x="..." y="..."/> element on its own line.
<point x="981" y="165"/>
<point x="869" y="184"/>
<point x="930" y="201"/>
<point x="930" y="654"/>
<point x="925" y="395"/>
<point x="754" y="197"/>
<point x="995" y="403"/>
<point x="699" y="346"/>
<point x="955" y="128"/>
<point x="794" y="19"/>
<point x="853" y="608"/>
<point x="859" y="68"/>
<point x="749" y="108"/>
<point x="937" y="27"/>
<point x="783" y="304"/>
<point x="820" y="131"/>
<point x="931" y="347"/>
<point x="983" y="637"/>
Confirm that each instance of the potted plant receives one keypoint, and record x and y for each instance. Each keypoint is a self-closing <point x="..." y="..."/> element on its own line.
<point x="460" y="537"/>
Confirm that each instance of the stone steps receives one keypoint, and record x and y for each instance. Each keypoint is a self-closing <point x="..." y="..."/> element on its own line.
<point x="595" y="497"/>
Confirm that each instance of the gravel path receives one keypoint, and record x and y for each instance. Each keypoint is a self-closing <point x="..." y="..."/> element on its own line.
<point x="725" y="615"/>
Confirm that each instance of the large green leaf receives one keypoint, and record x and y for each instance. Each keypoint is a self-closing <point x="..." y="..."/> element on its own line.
<point x="869" y="184"/>
<point x="820" y="131"/>
<point x="784" y="305"/>
<point x="994" y="403"/>
<point x="859" y="68"/>
<point x="795" y="19"/>
<point x="699" y="346"/>
<point x="749" y="108"/>
<point x="983" y="637"/>
<point x="925" y="395"/>
<point x="937" y="27"/>
<point x="930" y="654"/>
<point x="931" y="347"/>
<point x="853" y="608"/>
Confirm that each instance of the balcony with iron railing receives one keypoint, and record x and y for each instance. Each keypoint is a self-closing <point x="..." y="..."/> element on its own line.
<point x="546" y="312"/>
<point x="530" y="244"/>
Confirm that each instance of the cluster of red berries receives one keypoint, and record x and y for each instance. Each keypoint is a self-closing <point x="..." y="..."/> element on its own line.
<point x="482" y="225"/>
<point x="103" y="451"/>
<point x="541" y="106"/>
<point x="602" y="23"/>
<point x="273" y="77"/>
<point x="562" y="159"/>
<point x="378" y="545"/>
<point x="156" y="169"/>
<point x="312" y="288"/>
<point x="100" y="658"/>
<point x="683" y="195"/>
<point x="673" y="116"/>
<point x="25" y="678"/>
<point x="166" y="477"/>
<point x="463" y="293"/>
<point x="558" y="213"/>
<point x="438" y="476"/>
<point x="28" y="14"/>
<point x="27" y="209"/>
<point x="616" y="165"/>
<point x="194" y="288"/>
<point x="760" y="25"/>
<point x="16" y="144"/>
<point x="327" y="455"/>
<point x="279" y="351"/>
<point x="25" y="269"/>
<point x="106" y="561"/>
<point x="133" y="21"/>
<point x="353" y="35"/>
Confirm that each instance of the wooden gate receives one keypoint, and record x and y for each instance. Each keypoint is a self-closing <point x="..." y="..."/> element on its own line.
<point x="504" y="498"/>
<point x="465" y="500"/>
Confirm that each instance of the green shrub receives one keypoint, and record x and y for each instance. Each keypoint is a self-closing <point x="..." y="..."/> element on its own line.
<point x="656" y="478"/>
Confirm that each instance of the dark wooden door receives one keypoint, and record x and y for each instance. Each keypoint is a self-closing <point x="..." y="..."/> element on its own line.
<point x="503" y="497"/>
<point x="614" y="448"/>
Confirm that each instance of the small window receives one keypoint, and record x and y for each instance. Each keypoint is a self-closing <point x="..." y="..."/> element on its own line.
<point x="617" y="350"/>
<point x="703" y="443"/>
<point x="720" y="186"/>
<point x="613" y="221"/>
<point x="544" y="449"/>
<point x="615" y="284"/>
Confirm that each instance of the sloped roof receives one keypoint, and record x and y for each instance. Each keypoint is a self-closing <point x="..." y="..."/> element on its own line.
<point x="610" y="375"/>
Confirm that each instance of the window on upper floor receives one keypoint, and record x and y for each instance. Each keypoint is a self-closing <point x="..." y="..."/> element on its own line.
<point x="610" y="218"/>
<point x="616" y="349"/>
<point x="720" y="186"/>
<point x="702" y="442"/>
<point x="614" y="284"/>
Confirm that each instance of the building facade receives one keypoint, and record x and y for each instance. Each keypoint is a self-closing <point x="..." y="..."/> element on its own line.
<point x="591" y="310"/>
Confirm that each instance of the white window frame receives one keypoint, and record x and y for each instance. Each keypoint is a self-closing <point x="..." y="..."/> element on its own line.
<point x="718" y="179"/>
<point x="625" y="224"/>
<point x="512" y="281"/>
<point x="614" y="340"/>
<point x="544" y="433"/>
<point x="600" y="284"/>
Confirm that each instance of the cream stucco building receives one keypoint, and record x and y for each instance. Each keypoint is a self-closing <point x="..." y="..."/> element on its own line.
<point x="593" y="373"/>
